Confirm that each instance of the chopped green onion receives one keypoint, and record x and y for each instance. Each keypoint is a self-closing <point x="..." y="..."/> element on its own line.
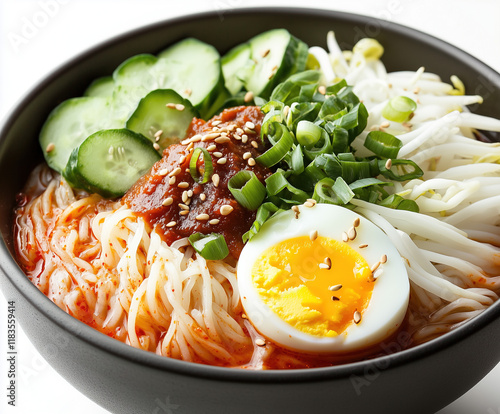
<point x="278" y="185"/>
<point x="399" y="109"/>
<point x="370" y="48"/>
<point x="264" y="212"/>
<point x="193" y="165"/>
<point x="210" y="246"/>
<point x="323" y="192"/>
<point x="308" y="133"/>
<point x="247" y="189"/>
<point x="414" y="170"/>
<point x="342" y="190"/>
<point x="383" y="144"/>
<point x="395" y="201"/>
<point x="282" y="143"/>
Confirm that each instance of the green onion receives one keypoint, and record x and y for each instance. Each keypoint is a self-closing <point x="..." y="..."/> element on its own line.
<point x="370" y="48"/>
<point x="414" y="170"/>
<point x="383" y="144"/>
<point x="395" y="201"/>
<point x="247" y="189"/>
<point x="282" y="143"/>
<point x="308" y="133"/>
<point x="193" y="165"/>
<point x="323" y="192"/>
<point x="278" y="185"/>
<point x="342" y="190"/>
<point x="399" y="109"/>
<point x="210" y="246"/>
<point x="264" y="212"/>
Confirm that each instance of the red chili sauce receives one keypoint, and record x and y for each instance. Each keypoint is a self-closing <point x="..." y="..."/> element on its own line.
<point x="233" y="136"/>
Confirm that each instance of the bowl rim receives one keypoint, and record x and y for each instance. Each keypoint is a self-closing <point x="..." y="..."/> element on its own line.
<point x="12" y="271"/>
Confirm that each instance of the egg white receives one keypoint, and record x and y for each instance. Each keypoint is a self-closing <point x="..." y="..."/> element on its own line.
<point x="389" y="301"/>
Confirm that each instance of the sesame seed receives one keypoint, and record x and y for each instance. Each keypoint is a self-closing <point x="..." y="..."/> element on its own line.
<point x="183" y="206"/>
<point x="335" y="298"/>
<point x="202" y="217"/>
<point x="363" y="246"/>
<point x="221" y="160"/>
<point x="328" y="261"/>
<point x="275" y="68"/>
<point x="243" y="316"/>
<point x="247" y="155"/>
<point x="209" y="137"/>
<point x="255" y="144"/>
<point x="334" y="288"/>
<point x="345" y="237"/>
<point x="239" y="131"/>
<point x="251" y="162"/>
<point x="356" y="222"/>
<point x="190" y="146"/>
<point x="215" y="179"/>
<point x="260" y="342"/>
<point x="296" y="211"/>
<point x="226" y="209"/>
<point x="196" y="138"/>
<point x="248" y="96"/>
<point x="375" y="267"/>
<point x="182" y="159"/>
<point x="170" y="105"/>
<point x="188" y="91"/>
<point x="211" y="147"/>
<point x="312" y="201"/>
<point x="250" y="125"/>
<point x="237" y="137"/>
<point x="186" y="142"/>
<point x="184" y="212"/>
<point x="158" y="133"/>
<point x="357" y="317"/>
<point x="324" y="266"/>
<point x="352" y="233"/>
<point x="249" y="131"/>
<point x="171" y="224"/>
<point x="172" y="180"/>
<point x="322" y="90"/>
<point x="308" y="204"/>
<point x="265" y="53"/>
<point x="163" y="172"/>
<point x="385" y="124"/>
<point x="215" y="129"/>
<point x="203" y="197"/>
<point x="183" y="184"/>
<point x="156" y="146"/>
<point x="313" y="235"/>
<point x="184" y="196"/>
<point x="180" y="107"/>
<point x="215" y="123"/>
<point x="214" y="221"/>
<point x="377" y="273"/>
<point x="190" y="193"/>
<point x="217" y="154"/>
<point x="244" y="138"/>
<point x="222" y="140"/>
<point x="388" y="164"/>
<point x="176" y="171"/>
<point x="168" y="201"/>
<point x="416" y="90"/>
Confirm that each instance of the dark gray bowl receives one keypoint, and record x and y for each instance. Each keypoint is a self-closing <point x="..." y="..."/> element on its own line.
<point x="126" y="380"/>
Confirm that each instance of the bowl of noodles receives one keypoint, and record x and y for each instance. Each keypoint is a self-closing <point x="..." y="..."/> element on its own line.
<point x="318" y="227"/>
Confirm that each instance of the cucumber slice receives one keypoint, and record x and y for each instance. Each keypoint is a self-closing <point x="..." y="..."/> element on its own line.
<point x="101" y="87"/>
<point x="69" y="124"/>
<point x="109" y="162"/>
<point x="153" y="115"/>
<point x="232" y="63"/>
<point x="277" y="55"/>
<point x="193" y="69"/>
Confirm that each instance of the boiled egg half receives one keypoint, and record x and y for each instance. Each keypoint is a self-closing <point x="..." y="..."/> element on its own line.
<point x="323" y="279"/>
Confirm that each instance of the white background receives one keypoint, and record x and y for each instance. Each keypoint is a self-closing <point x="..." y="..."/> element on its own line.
<point x="37" y="36"/>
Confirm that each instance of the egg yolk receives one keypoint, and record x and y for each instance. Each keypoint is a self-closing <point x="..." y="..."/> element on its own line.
<point x="315" y="286"/>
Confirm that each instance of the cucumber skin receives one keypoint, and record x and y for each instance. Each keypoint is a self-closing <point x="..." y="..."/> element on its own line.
<point x="101" y="87"/>
<point x="74" y="177"/>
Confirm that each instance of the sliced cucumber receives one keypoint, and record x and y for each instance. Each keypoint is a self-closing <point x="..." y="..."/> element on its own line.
<point x="109" y="162"/>
<point x="69" y="124"/>
<point x="232" y="64"/>
<point x="101" y="87"/>
<point x="276" y="55"/>
<point x="153" y="115"/>
<point x="193" y="69"/>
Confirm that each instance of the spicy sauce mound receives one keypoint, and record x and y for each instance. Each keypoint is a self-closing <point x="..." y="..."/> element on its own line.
<point x="177" y="205"/>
